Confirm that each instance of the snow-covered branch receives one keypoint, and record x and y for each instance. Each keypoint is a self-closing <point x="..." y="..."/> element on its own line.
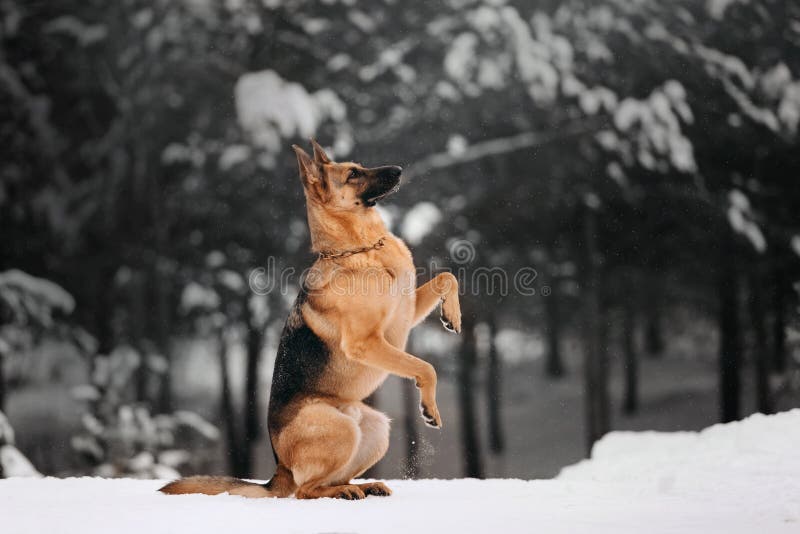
<point x="502" y="145"/>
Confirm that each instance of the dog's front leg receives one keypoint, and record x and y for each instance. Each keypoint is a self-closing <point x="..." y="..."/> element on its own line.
<point x="373" y="350"/>
<point x="442" y="288"/>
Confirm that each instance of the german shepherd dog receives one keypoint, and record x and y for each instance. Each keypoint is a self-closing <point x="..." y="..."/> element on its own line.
<point x="346" y="332"/>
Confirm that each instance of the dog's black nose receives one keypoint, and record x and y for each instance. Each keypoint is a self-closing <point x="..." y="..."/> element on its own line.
<point x="388" y="172"/>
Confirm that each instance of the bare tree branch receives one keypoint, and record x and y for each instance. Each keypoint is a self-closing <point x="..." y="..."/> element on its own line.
<point x="503" y="145"/>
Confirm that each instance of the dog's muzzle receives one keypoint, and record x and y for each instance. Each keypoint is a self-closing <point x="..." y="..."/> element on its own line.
<point x="383" y="182"/>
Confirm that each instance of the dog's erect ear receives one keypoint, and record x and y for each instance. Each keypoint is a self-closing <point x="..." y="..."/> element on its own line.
<point x="309" y="170"/>
<point x="319" y="155"/>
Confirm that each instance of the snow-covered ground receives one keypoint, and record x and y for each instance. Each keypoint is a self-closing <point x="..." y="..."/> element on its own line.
<point x="741" y="477"/>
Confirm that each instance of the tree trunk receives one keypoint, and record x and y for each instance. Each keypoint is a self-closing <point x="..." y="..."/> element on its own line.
<point x="410" y="415"/>
<point x="595" y="359"/>
<point x="160" y="282"/>
<point x="2" y="382"/>
<point x="554" y="365"/>
<point x="653" y="333"/>
<point x="470" y="443"/>
<point x="104" y="308"/>
<point x="730" y="341"/>
<point x="162" y="337"/>
<point x="631" y="403"/>
<point x="255" y="337"/>
<point x="761" y="355"/>
<point x="236" y="456"/>
<point x="494" y="392"/>
<point x="138" y="298"/>
<point x="779" y="322"/>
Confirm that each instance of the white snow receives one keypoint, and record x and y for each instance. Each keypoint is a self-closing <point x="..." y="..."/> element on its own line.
<point x="15" y="464"/>
<point x="742" y="477"/>
<point x="517" y="345"/>
<point x="789" y="107"/>
<point x="717" y="8"/>
<point x="749" y="469"/>
<point x="419" y="221"/>
<point x="532" y="58"/>
<point x="233" y="155"/>
<point x="457" y="145"/>
<point x="741" y="219"/>
<point x="270" y="108"/>
<point x="232" y="280"/>
<point x="388" y="214"/>
<point x="774" y="80"/>
<point x="85" y="34"/>
<point x="36" y="293"/>
<point x="657" y="123"/>
<point x="794" y="243"/>
<point x="196" y="296"/>
<point x="504" y="47"/>
<point x="459" y="62"/>
<point x="12" y="462"/>
<point x="732" y="66"/>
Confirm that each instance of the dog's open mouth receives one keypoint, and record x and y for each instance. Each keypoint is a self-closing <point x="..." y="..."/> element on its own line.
<point x="371" y="201"/>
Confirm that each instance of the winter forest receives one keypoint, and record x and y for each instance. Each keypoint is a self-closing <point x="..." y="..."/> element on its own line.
<point x="613" y="182"/>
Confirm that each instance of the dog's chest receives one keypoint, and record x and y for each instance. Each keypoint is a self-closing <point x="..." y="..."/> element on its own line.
<point x="402" y="292"/>
<point x="401" y="315"/>
<point x="401" y="302"/>
<point x="394" y="288"/>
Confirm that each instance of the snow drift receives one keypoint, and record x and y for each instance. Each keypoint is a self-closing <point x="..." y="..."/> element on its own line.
<point x="741" y="477"/>
<point x="764" y="448"/>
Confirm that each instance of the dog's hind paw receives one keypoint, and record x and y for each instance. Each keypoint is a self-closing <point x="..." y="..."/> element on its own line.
<point x="350" y="493"/>
<point x="378" y="489"/>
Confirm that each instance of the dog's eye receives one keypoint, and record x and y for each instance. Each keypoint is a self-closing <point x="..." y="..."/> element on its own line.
<point x="352" y="175"/>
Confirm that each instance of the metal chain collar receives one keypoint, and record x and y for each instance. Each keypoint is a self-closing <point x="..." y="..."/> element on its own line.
<point x="335" y="255"/>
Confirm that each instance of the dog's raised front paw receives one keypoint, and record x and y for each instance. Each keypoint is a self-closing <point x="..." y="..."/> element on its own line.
<point x="431" y="416"/>
<point x="451" y="315"/>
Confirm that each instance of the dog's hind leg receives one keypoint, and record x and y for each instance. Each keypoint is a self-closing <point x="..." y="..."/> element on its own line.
<point x="372" y="446"/>
<point x="318" y="445"/>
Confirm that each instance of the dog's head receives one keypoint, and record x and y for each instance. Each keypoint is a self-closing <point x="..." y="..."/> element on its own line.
<point x="344" y="186"/>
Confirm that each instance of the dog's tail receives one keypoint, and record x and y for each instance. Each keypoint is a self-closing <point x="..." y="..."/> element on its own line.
<point x="281" y="485"/>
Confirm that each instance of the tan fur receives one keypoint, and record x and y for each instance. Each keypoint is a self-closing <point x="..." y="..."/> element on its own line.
<point x="362" y="307"/>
